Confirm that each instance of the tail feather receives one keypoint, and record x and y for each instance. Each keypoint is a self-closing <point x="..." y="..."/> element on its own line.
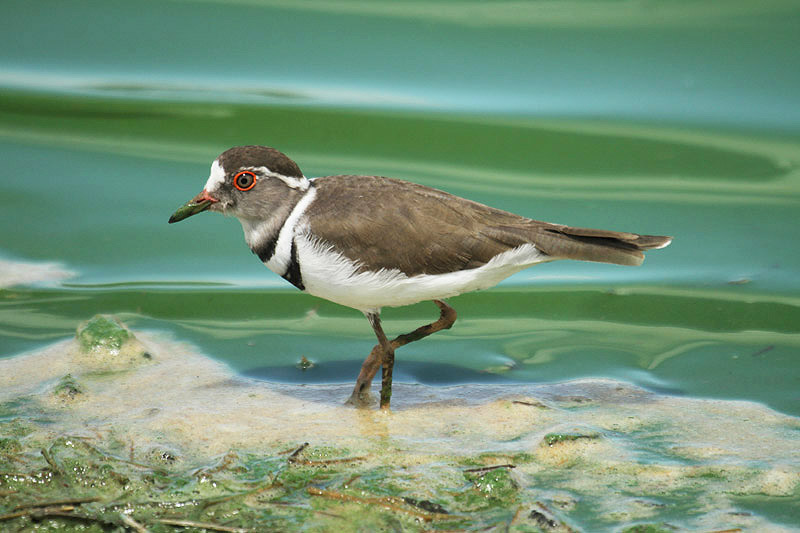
<point x="602" y="246"/>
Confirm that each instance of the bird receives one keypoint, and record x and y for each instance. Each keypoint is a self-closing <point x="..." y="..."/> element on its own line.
<point x="370" y="242"/>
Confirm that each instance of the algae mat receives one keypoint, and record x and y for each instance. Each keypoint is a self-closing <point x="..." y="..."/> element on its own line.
<point x="117" y="429"/>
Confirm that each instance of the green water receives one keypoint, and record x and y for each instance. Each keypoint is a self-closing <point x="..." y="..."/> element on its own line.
<point x="679" y="120"/>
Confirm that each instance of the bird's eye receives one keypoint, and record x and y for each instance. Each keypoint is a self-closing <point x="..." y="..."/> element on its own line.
<point x="244" y="181"/>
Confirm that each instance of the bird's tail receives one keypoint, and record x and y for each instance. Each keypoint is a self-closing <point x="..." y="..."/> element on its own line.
<point x="601" y="246"/>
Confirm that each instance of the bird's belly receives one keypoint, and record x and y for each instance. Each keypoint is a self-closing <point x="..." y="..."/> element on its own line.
<point x="330" y="275"/>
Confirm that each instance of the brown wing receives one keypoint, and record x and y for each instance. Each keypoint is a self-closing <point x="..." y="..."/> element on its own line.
<point x="400" y="225"/>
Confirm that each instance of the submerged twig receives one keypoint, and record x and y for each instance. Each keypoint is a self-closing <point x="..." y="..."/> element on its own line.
<point x="515" y="517"/>
<point x="545" y="518"/>
<point x="221" y="465"/>
<point x="488" y="468"/>
<point x="762" y="351"/>
<point x="295" y="453"/>
<point x="60" y="510"/>
<point x="11" y="516"/>
<point x="323" y="462"/>
<point x="332" y="515"/>
<point x="106" y="455"/>
<point x="53" y="503"/>
<point x="12" y="457"/>
<point x="56" y="468"/>
<point x="351" y="480"/>
<point x="294" y="458"/>
<point x="388" y="502"/>
<point x="133" y="524"/>
<point x="201" y="525"/>
<point x="205" y="504"/>
<point x="530" y="404"/>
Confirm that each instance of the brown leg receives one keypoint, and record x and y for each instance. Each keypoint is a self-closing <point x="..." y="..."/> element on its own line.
<point x="387" y="361"/>
<point x="368" y="370"/>
<point x="447" y="318"/>
<point x="378" y="359"/>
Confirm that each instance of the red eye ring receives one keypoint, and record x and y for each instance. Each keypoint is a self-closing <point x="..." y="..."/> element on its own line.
<point x="246" y="183"/>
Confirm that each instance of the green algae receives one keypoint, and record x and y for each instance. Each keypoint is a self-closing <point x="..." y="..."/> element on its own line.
<point x="68" y="388"/>
<point x="605" y="456"/>
<point x="493" y="488"/>
<point x="304" y="364"/>
<point x="320" y="487"/>
<point x="17" y="426"/>
<point x="289" y="487"/>
<point x="249" y="493"/>
<point x="648" y="528"/>
<point x="552" y="439"/>
<point x="102" y="332"/>
<point x="9" y="445"/>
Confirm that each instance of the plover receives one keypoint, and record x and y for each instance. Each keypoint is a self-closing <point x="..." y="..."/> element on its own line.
<point x="369" y="242"/>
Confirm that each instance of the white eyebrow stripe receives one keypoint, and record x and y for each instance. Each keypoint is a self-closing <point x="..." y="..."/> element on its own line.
<point x="216" y="178"/>
<point x="301" y="183"/>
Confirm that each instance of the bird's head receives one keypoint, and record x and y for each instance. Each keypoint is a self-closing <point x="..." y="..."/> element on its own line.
<point x="246" y="182"/>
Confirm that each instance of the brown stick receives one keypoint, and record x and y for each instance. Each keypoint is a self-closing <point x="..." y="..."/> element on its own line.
<point x="516" y="516"/>
<point x="133" y="524"/>
<point x="83" y="441"/>
<point x="201" y="525"/>
<point x="61" y="510"/>
<point x="56" y="468"/>
<point x="388" y="502"/>
<point x="295" y="460"/>
<point x="223" y="464"/>
<point x="293" y="456"/>
<point x="322" y="462"/>
<point x="53" y="503"/>
<point x="11" y="516"/>
<point x="489" y="468"/>
<point x="530" y="404"/>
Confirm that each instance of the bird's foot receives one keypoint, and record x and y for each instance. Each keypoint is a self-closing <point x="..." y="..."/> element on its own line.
<point x="361" y="396"/>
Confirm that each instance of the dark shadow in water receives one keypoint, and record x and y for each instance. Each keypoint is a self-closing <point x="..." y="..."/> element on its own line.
<point x="411" y="373"/>
<point x="406" y="371"/>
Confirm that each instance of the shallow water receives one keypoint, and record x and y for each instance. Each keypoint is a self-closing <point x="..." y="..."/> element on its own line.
<point x="714" y="315"/>
<point x="676" y="120"/>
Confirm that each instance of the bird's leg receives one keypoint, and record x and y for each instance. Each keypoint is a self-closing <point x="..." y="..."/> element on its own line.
<point x="447" y="318"/>
<point x="368" y="370"/>
<point x="387" y="362"/>
<point x="375" y="359"/>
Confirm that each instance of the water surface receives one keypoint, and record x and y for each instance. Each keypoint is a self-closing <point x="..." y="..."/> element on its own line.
<point x="657" y="121"/>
